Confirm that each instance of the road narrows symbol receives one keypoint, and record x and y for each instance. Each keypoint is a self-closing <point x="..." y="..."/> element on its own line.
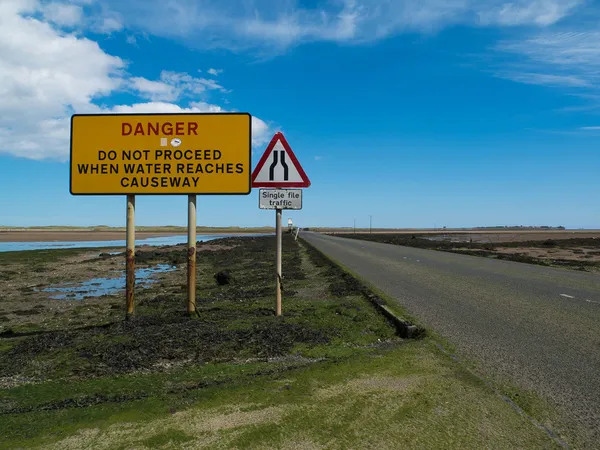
<point x="278" y="167"/>
<point x="286" y="171"/>
<point x="276" y="159"/>
<point x="273" y="165"/>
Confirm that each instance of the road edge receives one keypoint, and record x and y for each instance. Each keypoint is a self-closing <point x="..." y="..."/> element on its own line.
<point x="405" y="328"/>
<point x="402" y="321"/>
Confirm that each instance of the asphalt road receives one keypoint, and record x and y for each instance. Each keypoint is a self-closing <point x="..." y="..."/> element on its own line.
<point x="539" y="327"/>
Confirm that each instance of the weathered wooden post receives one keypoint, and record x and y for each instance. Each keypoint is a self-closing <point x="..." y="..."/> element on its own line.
<point x="191" y="254"/>
<point x="130" y="257"/>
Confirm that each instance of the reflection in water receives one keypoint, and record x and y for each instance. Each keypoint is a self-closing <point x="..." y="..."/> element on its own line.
<point x="97" y="287"/>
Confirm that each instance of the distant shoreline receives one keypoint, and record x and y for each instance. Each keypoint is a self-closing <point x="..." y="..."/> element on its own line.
<point x="77" y="235"/>
<point x="452" y="231"/>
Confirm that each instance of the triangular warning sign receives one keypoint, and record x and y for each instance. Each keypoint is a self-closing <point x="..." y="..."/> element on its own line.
<point x="278" y="167"/>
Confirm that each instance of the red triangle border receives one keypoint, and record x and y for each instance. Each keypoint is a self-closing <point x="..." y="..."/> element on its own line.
<point x="282" y="184"/>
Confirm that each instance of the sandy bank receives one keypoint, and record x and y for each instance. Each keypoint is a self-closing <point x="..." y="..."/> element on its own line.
<point x="69" y="236"/>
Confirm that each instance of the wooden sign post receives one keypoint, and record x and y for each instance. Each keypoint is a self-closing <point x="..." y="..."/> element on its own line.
<point x="130" y="257"/>
<point x="191" y="254"/>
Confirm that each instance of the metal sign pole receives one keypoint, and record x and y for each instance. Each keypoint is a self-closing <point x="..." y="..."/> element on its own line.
<point x="278" y="168"/>
<point x="278" y="262"/>
<point x="130" y="257"/>
<point x="191" y="272"/>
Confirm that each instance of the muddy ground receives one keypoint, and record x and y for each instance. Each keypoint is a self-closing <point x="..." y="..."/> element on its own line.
<point x="24" y="275"/>
<point x="579" y="253"/>
<point x="43" y="339"/>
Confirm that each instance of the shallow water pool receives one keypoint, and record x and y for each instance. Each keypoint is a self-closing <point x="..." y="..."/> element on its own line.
<point x="97" y="287"/>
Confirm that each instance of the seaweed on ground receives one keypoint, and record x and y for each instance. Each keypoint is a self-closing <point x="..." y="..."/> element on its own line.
<point x="234" y="320"/>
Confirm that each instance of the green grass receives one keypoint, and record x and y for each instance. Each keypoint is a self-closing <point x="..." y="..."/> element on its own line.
<point x="168" y="437"/>
<point x="407" y="393"/>
<point x="59" y="408"/>
<point x="56" y="394"/>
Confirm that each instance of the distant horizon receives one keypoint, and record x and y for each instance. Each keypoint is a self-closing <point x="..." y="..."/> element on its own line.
<point x="490" y="227"/>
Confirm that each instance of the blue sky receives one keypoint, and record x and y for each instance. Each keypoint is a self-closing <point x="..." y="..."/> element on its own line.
<point x="417" y="112"/>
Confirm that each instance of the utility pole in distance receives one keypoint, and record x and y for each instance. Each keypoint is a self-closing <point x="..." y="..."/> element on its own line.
<point x="370" y="224"/>
<point x="355" y="225"/>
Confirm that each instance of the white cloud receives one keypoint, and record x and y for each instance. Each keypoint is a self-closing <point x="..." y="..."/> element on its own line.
<point x="151" y="107"/>
<point x="154" y="90"/>
<point x="81" y="14"/>
<point x="173" y="86"/>
<point x="108" y="25"/>
<point x="566" y="49"/>
<point x="187" y="83"/>
<point x="36" y="139"/>
<point x="318" y="158"/>
<point x="165" y="107"/>
<point x="215" y="72"/>
<point x="576" y="132"/>
<point x="567" y="59"/>
<point x="260" y="131"/>
<point x="46" y="75"/>
<point x="278" y="24"/>
<point x="546" y="79"/>
<point x="538" y="12"/>
<point x="63" y="14"/>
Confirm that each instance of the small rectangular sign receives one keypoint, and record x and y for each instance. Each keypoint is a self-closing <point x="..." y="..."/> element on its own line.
<point x="180" y="153"/>
<point x="280" y="198"/>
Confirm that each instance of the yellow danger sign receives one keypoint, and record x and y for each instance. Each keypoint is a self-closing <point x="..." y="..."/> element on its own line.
<point x="185" y="153"/>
